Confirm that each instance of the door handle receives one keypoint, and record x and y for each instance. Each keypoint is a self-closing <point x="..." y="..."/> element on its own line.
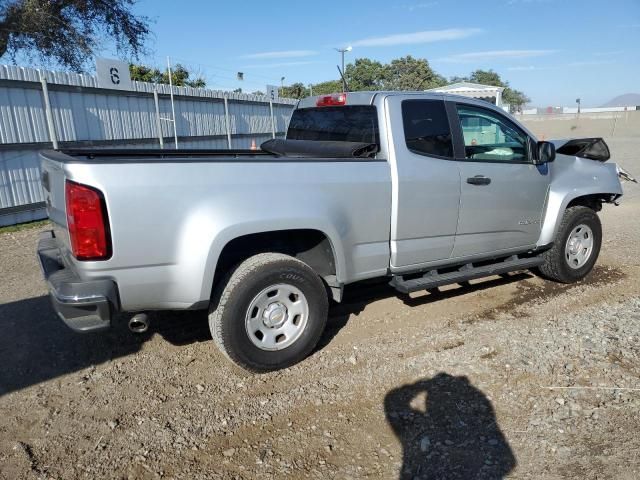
<point x="479" y="180"/>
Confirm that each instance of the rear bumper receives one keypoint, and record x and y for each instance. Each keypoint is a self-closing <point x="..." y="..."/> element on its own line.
<point x="85" y="306"/>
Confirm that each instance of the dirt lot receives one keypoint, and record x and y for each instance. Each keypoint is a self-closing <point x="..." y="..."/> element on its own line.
<point x="509" y="377"/>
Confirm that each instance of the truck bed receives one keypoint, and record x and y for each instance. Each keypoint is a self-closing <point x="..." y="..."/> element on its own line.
<point x="171" y="212"/>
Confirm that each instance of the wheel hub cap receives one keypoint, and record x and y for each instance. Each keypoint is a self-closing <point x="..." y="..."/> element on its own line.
<point x="274" y="315"/>
<point x="579" y="246"/>
<point x="277" y="317"/>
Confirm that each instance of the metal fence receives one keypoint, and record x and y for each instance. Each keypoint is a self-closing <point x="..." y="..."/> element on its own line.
<point x="41" y="108"/>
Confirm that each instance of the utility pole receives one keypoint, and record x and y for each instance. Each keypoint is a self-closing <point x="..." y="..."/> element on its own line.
<point x="282" y="86"/>
<point x="342" y="52"/>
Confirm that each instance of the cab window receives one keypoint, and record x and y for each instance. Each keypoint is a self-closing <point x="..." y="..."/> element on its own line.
<point x="426" y="128"/>
<point x="491" y="137"/>
<point x="354" y="123"/>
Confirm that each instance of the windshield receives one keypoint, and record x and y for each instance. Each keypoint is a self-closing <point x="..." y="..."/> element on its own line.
<point x="357" y="123"/>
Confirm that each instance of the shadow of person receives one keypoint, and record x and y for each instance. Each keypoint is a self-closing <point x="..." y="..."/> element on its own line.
<point x="448" y="430"/>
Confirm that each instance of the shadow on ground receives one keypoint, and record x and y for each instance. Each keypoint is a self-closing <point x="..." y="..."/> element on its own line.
<point x="447" y="429"/>
<point x="36" y="346"/>
<point x="358" y="296"/>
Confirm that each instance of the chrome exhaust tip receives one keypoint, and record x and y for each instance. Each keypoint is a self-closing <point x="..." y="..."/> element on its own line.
<point x="139" y="323"/>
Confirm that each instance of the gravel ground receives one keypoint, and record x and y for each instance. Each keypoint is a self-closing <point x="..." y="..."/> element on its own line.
<point x="508" y="377"/>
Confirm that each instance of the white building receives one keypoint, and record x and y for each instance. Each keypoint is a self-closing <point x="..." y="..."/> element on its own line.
<point x="488" y="93"/>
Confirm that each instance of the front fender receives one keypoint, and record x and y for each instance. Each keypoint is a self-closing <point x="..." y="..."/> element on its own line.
<point x="572" y="178"/>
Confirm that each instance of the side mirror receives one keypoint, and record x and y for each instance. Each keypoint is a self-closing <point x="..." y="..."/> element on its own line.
<point x="546" y="152"/>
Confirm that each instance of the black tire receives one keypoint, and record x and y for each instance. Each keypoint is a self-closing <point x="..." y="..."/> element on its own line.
<point x="556" y="265"/>
<point x="234" y="295"/>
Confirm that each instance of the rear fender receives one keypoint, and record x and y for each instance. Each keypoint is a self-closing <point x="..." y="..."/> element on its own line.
<point x="220" y="237"/>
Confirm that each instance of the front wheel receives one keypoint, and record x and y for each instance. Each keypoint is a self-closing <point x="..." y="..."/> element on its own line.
<point x="269" y="313"/>
<point x="576" y="247"/>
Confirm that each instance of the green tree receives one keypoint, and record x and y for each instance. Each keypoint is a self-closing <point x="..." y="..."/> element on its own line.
<point x="366" y="74"/>
<point x="487" y="77"/>
<point x="179" y="76"/>
<point x="405" y="73"/>
<point x="408" y="73"/>
<point x="69" y="31"/>
<point x="296" y="90"/>
<point x="515" y="98"/>
<point x="324" y="88"/>
<point x="142" y="73"/>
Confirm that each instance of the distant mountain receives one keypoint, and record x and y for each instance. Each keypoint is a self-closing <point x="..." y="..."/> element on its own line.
<point x="625" y="100"/>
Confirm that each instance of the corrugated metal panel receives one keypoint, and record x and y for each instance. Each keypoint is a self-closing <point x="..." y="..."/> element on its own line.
<point x="91" y="114"/>
<point x="22" y="116"/>
<point x="19" y="178"/>
<point x="38" y="213"/>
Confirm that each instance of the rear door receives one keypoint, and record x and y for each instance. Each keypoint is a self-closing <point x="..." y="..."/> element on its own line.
<point x="426" y="181"/>
<point x="502" y="192"/>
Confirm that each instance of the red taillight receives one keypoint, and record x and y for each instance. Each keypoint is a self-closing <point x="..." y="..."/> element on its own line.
<point x="334" y="100"/>
<point x="87" y="221"/>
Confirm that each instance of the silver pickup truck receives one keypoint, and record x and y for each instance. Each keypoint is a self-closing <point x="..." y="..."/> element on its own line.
<point x="421" y="188"/>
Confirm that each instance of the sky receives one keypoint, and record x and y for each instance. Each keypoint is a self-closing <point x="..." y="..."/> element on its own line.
<point x="553" y="50"/>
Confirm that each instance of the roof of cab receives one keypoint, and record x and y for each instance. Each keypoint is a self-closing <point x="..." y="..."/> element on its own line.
<point x="367" y="97"/>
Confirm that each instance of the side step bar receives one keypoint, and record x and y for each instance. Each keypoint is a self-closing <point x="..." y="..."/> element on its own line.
<point x="466" y="272"/>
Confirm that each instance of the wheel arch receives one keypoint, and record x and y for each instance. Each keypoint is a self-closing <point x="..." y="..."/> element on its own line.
<point x="312" y="246"/>
<point x="557" y="205"/>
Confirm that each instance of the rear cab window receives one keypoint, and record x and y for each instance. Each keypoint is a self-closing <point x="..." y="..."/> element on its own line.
<point x="350" y="123"/>
<point x="426" y="128"/>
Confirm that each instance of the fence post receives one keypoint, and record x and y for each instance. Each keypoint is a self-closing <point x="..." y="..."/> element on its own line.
<point x="173" y="108"/>
<point x="273" y="121"/>
<point x="227" y="120"/>
<point x="158" y="124"/>
<point x="48" y="112"/>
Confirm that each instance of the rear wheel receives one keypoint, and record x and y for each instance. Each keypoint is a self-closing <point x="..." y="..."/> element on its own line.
<point x="576" y="247"/>
<point x="269" y="313"/>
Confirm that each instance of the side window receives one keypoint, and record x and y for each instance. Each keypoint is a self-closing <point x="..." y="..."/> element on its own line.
<point x="426" y="128"/>
<point x="488" y="136"/>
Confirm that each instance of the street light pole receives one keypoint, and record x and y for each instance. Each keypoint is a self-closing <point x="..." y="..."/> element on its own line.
<point x="342" y="52"/>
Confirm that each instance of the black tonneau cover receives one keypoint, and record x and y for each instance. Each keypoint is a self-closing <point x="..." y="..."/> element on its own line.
<point x="91" y="153"/>
<point x="271" y="151"/>
<point x="319" y="148"/>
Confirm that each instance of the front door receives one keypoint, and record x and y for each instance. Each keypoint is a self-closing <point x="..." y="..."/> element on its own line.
<point x="502" y="192"/>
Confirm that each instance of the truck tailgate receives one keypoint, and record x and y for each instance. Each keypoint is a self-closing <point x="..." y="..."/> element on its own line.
<point x="53" y="178"/>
